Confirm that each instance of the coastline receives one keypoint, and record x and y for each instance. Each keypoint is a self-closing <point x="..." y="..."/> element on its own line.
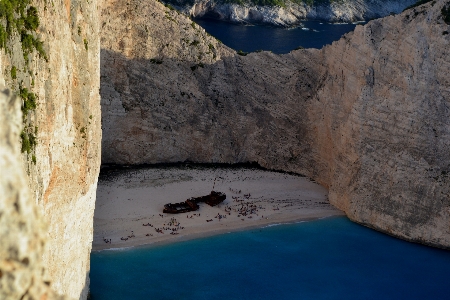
<point x="255" y="199"/>
<point x="208" y="233"/>
<point x="288" y="13"/>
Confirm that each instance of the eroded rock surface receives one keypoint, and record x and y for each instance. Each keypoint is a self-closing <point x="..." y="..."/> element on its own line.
<point x="367" y="117"/>
<point x="292" y="13"/>
<point x="22" y="230"/>
<point x="62" y="169"/>
<point x="390" y="134"/>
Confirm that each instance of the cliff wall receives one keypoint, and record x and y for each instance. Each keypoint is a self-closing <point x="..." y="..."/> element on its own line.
<point x="155" y="51"/>
<point x="61" y="137"/>
<point x="367" y="117"/>
<point x="22" y="230"/>
<point x="385" y="134"/>
<point x="291" y="12"/>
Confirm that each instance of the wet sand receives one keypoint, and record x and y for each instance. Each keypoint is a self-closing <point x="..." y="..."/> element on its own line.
<point x="255" y="198"/>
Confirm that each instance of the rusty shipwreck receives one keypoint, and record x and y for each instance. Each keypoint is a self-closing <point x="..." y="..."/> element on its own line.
<point x="191" y="204"/>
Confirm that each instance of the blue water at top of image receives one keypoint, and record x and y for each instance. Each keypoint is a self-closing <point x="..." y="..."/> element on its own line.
<point x="325" y="259"/>
<point x="276" y="39"/>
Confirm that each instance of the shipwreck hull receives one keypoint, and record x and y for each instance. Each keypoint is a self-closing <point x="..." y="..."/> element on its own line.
<point x="191" y="204"/>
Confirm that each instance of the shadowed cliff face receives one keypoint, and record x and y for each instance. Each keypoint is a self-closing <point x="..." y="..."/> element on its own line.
<point x="367" y="117"/>
<point x="230" y="111"/>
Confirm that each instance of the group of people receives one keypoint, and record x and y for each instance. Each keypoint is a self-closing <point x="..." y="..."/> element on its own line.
<point x="247" y="209"/>
<point x="237" y="199"/>
<point x="191" y="216"/>
<point x="242" y="208"/>
<point x="219" y="216"/>
<point x="235" y="191"/>
<point x="128" y="237"/>
<point x="174" y="229"/>
<point x="173" y="222"/>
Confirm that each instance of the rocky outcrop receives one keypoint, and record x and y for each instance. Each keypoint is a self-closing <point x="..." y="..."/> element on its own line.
<point x="367" y="117"/>
<point x="159" y="48"/>
<point x="387" y="142"/>
<point x="63" y="166"/>
<point x="22" y="230"/>
<point x="292" y="12"/>
<point x="153" y="33"/>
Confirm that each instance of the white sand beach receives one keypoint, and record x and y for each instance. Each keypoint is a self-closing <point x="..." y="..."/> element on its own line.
<point x="255" y="198"/>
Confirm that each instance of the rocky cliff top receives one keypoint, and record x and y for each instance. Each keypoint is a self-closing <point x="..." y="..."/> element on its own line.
<point x="151" y="31"/>
<point x="290" y="12"/>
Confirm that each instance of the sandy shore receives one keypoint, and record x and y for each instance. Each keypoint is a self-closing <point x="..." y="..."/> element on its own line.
<point x="255" y="198"/>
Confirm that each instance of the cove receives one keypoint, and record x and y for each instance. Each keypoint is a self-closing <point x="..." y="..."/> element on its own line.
<point x="331" y="258"/>
<point x="252" y="38"/>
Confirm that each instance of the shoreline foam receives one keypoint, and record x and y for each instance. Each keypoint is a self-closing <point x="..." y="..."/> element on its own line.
<point x="205" y="234"/>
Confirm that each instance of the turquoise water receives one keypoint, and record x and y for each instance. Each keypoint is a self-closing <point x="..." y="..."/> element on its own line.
<point x="324" y="259"/>
<point x="278" y="40"/>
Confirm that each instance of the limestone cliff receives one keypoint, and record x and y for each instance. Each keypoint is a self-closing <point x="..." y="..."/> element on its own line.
<point x="290" y="12"/>
<point x="368" y="117"/>
<point x="22" y="273"/>
<point x="387" y="143"/>
<point x="59" y="86"/>
<point x="157" y="46"/>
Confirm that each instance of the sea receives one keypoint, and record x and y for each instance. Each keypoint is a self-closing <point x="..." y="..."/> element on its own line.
<point x="251" y="38"/>
<point x="330" y="258"/>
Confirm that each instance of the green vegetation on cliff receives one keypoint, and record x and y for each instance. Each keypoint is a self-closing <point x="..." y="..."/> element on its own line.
<point x="29" y="100"/>
<point x="18" y="18"/>
<point x="18" y="23"/>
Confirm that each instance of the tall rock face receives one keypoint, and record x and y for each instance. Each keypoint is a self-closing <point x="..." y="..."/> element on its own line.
<point x="368" y="116"/>
<point x="22" y="230"/>
<point x="63" y="166"/>
<point x="155" y="48"/>
<point x="384" y="137"/>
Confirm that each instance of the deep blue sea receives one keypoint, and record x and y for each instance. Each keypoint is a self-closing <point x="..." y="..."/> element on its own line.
<point x="314" y="34"/>
<point x="325" y="259"/>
